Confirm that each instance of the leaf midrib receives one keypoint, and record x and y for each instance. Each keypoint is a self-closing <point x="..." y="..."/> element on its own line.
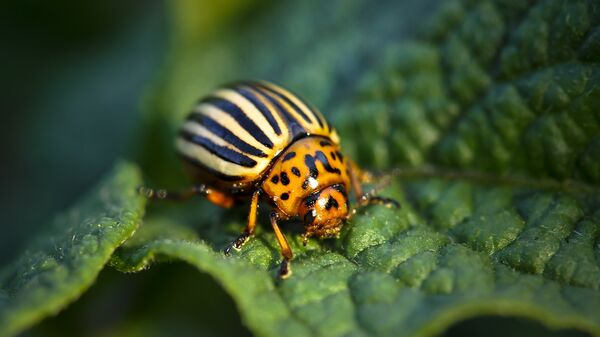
<point x="477" y="176"/>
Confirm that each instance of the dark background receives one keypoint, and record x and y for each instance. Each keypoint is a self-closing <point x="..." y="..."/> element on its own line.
<point x="73" y="78"/>
<point x="73" y="75"/>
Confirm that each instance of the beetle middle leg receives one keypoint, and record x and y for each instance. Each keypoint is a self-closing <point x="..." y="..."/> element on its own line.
<point x="249" y="231"/>
<point x="161" y="194"/>
<point x="216" y="197"/>
<point x="365" y="199"/>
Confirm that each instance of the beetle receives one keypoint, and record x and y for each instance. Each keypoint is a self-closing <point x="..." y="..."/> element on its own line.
<point x="255" y="139"/>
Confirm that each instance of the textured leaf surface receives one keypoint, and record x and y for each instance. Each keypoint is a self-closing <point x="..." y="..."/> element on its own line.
<point x="62" y="263"/>
<point x="456" y="250"/>
<point x="490" y="109"/>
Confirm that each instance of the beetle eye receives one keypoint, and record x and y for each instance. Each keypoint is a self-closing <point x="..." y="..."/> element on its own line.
<point x="309" y="217"/>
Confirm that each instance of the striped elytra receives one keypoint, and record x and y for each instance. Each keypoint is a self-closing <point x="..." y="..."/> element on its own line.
<point x="232" y="136"/>
<point x="258" y="140"/>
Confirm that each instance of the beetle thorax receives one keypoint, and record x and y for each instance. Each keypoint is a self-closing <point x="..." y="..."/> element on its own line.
<point x="306" y="167"/>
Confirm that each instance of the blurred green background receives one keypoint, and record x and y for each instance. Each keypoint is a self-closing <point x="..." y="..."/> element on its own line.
<point x="74" y="76"/>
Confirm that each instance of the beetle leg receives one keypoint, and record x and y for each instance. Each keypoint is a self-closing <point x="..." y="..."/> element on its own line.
<point x="285" y="269"/>
<point x="160" y="194"/>
<point x="216" y="197"/>
<point x="365" y="199"/>
<point x="249" y="231"/>
<point x="355" y="182"/>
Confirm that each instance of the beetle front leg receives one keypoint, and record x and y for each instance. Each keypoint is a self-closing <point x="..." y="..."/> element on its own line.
<point x="285" y="268"/>
<point x="249" y="231"/>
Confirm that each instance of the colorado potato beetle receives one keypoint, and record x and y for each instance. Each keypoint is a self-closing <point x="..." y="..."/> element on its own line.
<point x="256" y="139"/>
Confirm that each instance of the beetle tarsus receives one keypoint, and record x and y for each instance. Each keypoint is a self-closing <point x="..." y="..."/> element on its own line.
<point x="304" y="239"/>
<point x="366" y="200"/>
<point x="387" y="202"/>
<point x="161" y="194"/>
<point x="285" y="269"/>
<point x="238" y="243"/>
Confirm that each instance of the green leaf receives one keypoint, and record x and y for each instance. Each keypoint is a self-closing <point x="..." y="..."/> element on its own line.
<point x="504" y="87"/>
<point x="489" y="110"/>
<point x="63" y="262"/>
<point x="487" y="115"/>
<point x="456" y="250"/>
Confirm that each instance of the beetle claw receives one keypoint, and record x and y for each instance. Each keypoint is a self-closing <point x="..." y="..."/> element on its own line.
<point x="237" y="243"/>
<point x="285" y="269"/>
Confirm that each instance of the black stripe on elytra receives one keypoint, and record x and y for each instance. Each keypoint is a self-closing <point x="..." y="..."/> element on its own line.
<point x="228" y="136"/>
<point x="292" y="122"/>
<point x="323" y="159"/>
<point x="288" y="101"/>
<point x="314" y="111"/>
<point x="260" y="106"/>
<point x="288" y="156"/>
<point x="222" y="152"/>
<point x="284" y="179"/>
<point x="340" y="155"/>
<point x="325" y="143"/>
<point x="240" y="116"/>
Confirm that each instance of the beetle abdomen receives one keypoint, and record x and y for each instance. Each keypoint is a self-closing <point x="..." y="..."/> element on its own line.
<point x="235" y="133"/>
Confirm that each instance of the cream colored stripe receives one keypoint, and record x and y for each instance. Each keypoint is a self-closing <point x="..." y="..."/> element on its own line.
<point x="250" y="110"/>
<point x="230" y="123"/>
<point x="298" y="103"/>
<point x="333" y="135"/>
<point x="198" y="129"/>
<point x="280" y="121"/>
<point x="290" y="110"/>
<point x="214" y="162"/>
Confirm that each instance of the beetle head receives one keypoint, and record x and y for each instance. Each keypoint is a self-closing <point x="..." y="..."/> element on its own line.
<point x="324" y="212"/>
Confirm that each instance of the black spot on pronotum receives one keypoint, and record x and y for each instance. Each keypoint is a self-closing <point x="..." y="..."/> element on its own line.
<point x="296" y="171"/>
<point x="305" y="184"/>
<point x="331" y="202"/>
<point x="288" y="156"/>
<point x="325" y="143"/>
<point x="285" y="196"/>
<point x="323" y="159"/>
<point x="312" y="167"/>
<point x="340" y="155"/>
<point x="275" y="179"/>
<point x="332" y="154"/>
<point x="284" y="179"/>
